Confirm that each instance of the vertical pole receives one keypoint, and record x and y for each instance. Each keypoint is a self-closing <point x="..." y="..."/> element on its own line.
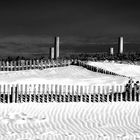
<point x="117" y="97"/>
<point x="13" y="93"/>
<point x="112" y="93"/>
<point x="35" y="93"/>
<point x="121" y="93"/>
<point x="103" y="94"/>
<point x="8" y="93"/>
<point x="99" y="90"/>
<point x="39" y="100"/>
<point x="108" y="93"/>
<point x="26" y="93"/>
<point x="43" y="92"/>
<point x="21" y="93"/>
<point x="30" y="93"/>
<point x="4" y="91"/>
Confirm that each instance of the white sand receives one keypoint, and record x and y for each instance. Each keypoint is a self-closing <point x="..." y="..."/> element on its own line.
<point x="68" y="121"/>
<point x="123" y="69"/>
<point x="60" y="75"/>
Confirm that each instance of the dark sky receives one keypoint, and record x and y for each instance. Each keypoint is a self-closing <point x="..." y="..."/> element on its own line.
<point x="89" y="21"/>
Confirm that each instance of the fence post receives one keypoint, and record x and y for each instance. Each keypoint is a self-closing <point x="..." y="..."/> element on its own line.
<point x="21" y="93"/>
<point x="3" y="65"/>
<point x="26" y="93"/>
<point x="72" y="93"/>
<point x="134" y="93"/>
<point x="34" y="91"/>
<point x="13" y="93"/>
<point x="4" y="93"/>
<point x="43" y="92"/>
<point x="103" y="94"/>
<point x="41" y="65"/>
<point x="112" y="93"/>
<point x="48" y="91"/>
<point x="39" y="100"/>
<point x="30" y="93"/>
<point x="7" y="65"/>
<point x="121" y="93"/>
<point x="26" y="63"/>
<point x="38" y="64"/>
<point x="117" y="96"/>
<point x="108" y="93"/>
<point x="34" y="64"/>
<point x="99" y="90"/>
<point x="30" y="63"/>
<point x="8" y="93"/>
<point x="81" y="93"/>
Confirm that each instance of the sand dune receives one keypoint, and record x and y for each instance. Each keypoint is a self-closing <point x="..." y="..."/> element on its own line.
<point x="68" y="121"/>
<point x="122" y="69"/>
<point x="61" y="75"/>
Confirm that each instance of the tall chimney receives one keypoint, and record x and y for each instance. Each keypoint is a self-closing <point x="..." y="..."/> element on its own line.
<point x="111" y="51"/>
<point x="52" y="53"/>
<point x="120" y="45"/>
<point x="56" y="46"/>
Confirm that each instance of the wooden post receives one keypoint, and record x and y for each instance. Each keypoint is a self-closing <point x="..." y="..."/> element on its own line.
<point x="7" y="64"/>
<point x="17" y="93"/>
<point x="72" y="93"/>
<point x="19" y="64"/>
<point x="37" y="64"/>
<point x="112" y="93"/>
<point x="30" y="61"/>
<point x="68" y="92"/>
<point x="81" y="93"/>
<point x="43" y="93"/>
<point x="103" y="94"/>
<point x="30" y="93"/>
<point x="34" y="64"/>
<point x="39" y="93"/>
<point x="8" y="93"/>
<point x="47" y="91"/>
<point x="117" y="97"/>
<point x="34" y="89"/>
<point x="108" y="93"/>
<point x="3" y="65"/>
<point x="4" y="92"/>
<point x="26" y="63"/>
<point x="45" y="63"/>
<point x="41" y="65"/>
<point x="25" y="92"/>
<point x="13" y="93"/>
<point x="21" y="93"/>
<point x="121" y="93"/>
<point x="135" y="93"/>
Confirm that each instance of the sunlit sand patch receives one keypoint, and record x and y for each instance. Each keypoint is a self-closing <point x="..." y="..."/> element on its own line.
<point x="41" y="121"/>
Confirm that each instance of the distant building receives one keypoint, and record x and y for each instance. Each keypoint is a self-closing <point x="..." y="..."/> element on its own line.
<point x="52" y="53"/>
<point x="111" y="51"/>
<point x="56" y="47"/>
<point x="120" y="45"/>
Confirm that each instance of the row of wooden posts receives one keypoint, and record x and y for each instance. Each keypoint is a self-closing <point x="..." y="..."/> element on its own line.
<point x="32" y="64"/>
<point x="51" y="92"/>
<point x="97" y="69"/>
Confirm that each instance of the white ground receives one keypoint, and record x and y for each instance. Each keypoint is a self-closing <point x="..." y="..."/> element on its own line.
<point x="60" y="75"/>
<point x="70" y="121"/>
<point x="123" y="69"/>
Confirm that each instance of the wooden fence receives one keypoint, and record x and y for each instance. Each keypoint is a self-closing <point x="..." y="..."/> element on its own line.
<point x="66" y="93"/>
<point x="32" y="64"/>
<point x="96" y="69"/>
